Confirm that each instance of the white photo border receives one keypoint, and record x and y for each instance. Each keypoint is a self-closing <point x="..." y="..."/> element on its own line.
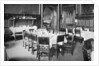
<point x="96" y="32"/>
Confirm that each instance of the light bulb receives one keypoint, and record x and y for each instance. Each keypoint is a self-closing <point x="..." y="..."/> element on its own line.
<point x="76" y="20"/>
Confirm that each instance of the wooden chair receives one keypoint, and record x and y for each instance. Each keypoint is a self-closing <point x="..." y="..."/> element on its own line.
<point x="77" y="37"/>
<point x="78" y="32"/>
<point x="60" y="42"/>
<point x="43" y="47"/>
<point x="68" y="47"/>
<point x="33" y="43"/>
<point x="29" y="41"/>
<point x="70" y="34"/>
<point x="25" y="39"/>
<point x="86" y="48"/>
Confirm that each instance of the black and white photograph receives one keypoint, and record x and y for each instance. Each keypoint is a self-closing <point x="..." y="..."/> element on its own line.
<point x="49" y="32"/>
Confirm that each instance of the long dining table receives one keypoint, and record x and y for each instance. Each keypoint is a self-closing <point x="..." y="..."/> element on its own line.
<point x="52" y="36"/>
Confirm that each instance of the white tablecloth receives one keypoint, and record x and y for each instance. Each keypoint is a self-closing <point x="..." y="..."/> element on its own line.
<point x="87" y="35"/>
<point x="53" y="39"/>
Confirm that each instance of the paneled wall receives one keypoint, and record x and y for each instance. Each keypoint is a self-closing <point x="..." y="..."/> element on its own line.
<point x="22" y="22"/>
<point x="85" y="23"/>
<point x="8" y="23"/>
<point x="18" y="23"/>
<point x="51" y="13"/>
<point x="21" y="8"/>
<point x="85" y="15"/>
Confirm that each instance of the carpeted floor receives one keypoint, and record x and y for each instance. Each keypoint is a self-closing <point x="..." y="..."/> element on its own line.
<point x="16" y="52"/>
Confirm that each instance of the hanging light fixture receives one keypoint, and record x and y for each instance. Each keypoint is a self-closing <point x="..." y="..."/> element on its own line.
<point x="76" y="20"/>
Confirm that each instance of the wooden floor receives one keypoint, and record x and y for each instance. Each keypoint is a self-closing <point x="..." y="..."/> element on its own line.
<point x="16" y="52"/>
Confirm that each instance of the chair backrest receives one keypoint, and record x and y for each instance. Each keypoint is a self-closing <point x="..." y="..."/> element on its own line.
<point x="63" y="30"/>
<point x="78" y="39"/>
<point x="34" y="37"/>
<point x="87" y="44"/>
<point x="29" y="36"/>
<point x="31" y="30"/>
<point x="70" y="30"/>
<point x="77" y="32"/>
<point x="43" y="40"/>
<point x="60" y="38"/>
<point x="69" y="37"/>
<point x="25" y="33"/>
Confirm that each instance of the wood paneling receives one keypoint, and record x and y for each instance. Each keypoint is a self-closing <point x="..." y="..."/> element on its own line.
<point x="21" y="8"/>
<point x="22" y="22"/>
<point x="85" y="23"/>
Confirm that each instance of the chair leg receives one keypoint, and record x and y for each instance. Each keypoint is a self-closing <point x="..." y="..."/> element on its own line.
<point x="72" y="50"/>
<point x="23" y="43"/>
<point x="26" y="45"/>
<point x="38" y="55"/>
<point x="33" y="50"/>
<point x="57" y="53"/>
<point x="49" y="56"/>
<point x="29" y="47"/>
